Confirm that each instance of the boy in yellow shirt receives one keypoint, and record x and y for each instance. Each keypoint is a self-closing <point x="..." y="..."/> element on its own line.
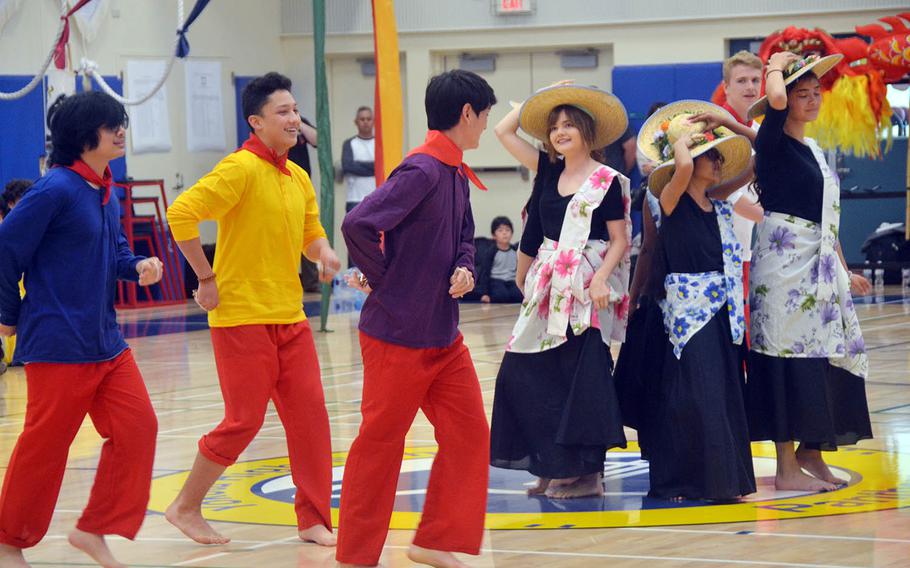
<point x="267" y="215"/>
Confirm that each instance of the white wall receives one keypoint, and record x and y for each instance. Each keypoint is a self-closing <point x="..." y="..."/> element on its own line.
<point x="246" y="37"/>
<point x="242" y="35"/>
<point x="527" y="60"/>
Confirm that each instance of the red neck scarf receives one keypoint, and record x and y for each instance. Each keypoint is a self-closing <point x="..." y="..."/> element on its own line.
<point x="258" y="147"/>
<point x="89" y="175"/>
<point x="727" y="106"/>
<point x="439" y="146"/>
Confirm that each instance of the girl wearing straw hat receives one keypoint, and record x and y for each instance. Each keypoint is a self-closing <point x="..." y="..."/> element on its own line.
<point x="555" y="411"/>
<point x="808" y="360"/>
<point x="699" y="447"/>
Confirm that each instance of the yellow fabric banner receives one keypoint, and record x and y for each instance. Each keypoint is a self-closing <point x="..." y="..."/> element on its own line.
<point x="389" y="114"/>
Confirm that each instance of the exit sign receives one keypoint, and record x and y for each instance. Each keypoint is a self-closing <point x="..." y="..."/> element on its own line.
<point x="505" y="7"/>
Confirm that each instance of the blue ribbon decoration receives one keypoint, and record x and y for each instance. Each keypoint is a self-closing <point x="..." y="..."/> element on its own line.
<point x="183" y="46"/>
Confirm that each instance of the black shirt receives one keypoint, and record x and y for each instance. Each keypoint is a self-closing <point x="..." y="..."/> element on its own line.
<point x="615" y="154"/>
<point x="300" y="153"/>
<point x="547" y="208"/>
<point x="786" y="171"/>
<point x="691" y="238"/>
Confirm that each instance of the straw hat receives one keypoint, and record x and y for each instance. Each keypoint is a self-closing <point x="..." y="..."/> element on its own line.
<point x="669" y="123"/>
<point x="797" y="69"/>
<point x="610" y="119"/>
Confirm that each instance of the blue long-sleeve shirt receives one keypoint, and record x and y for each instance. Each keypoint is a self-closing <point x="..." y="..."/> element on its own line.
<point x="72" y="251"/>
<point x="425" y="212"/>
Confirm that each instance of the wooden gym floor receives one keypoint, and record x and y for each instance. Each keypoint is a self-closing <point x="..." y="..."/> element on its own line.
<point x="865" y="524"/>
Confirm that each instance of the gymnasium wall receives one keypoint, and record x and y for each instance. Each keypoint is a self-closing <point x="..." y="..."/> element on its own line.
<point x="527" y="58"/>
<point x="252" y="37"/>
<point x="242" y="35"/>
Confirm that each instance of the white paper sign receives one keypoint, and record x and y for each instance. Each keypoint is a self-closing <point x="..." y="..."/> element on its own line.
<point x="204" y="107"/>
<point x="150" y="129"/>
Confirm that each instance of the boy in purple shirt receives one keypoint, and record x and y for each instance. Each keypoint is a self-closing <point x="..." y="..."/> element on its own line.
<point x="413" y="354"/>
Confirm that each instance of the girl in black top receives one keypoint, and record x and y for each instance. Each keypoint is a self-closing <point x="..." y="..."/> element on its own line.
<point x="796" y="397"/>
<point x="555" y="412"/>
<point x="699" y="448"/>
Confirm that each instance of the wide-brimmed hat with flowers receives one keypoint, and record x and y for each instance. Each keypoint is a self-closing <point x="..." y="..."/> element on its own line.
<point x="670" y="122"/>
<point x="813" y="63"/>
<point x="609" y="114"/>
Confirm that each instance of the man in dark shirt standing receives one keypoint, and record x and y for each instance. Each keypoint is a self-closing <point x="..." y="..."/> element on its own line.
<point x="414" y="357"/>
<point x="300" y="155"/>
<point x="620" y="155"/>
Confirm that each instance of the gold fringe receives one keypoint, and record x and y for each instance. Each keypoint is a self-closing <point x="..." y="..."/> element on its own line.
<point x="846" y="120"/>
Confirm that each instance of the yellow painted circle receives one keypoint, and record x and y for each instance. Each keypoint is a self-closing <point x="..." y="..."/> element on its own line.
<point x="875" y="484"/>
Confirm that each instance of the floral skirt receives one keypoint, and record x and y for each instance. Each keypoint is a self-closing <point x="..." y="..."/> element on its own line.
<point x="808" y="400"/>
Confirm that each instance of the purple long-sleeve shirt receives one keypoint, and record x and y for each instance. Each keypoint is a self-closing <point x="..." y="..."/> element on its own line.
<point x="425" y="212"/>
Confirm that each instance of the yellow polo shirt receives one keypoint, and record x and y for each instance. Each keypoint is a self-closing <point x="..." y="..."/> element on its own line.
<point x="265" y="220"/>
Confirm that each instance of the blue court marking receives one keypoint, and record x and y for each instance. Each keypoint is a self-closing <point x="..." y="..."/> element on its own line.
<point x="184" y="324"/>
<point x="626" y="483"/>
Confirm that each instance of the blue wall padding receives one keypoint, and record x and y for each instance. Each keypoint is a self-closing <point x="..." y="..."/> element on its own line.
<point x="637" y="86"/>
<point x="21" y="131"/>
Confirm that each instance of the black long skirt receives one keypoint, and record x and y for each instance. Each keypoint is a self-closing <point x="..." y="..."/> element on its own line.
<point x="806" y="400"/>
<point x="555" y="413"/>
<point x="700" y="448"/>
<point x="639" y="368"/>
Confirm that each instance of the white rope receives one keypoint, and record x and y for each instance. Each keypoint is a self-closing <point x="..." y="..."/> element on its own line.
<point x="90" y="68"/>
<point x="47" y="62"/>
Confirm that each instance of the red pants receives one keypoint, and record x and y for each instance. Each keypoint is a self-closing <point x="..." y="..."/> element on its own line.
<point x="59" y="396"/>
<point x="278" y="362"/>
<point x="396" y="382"/>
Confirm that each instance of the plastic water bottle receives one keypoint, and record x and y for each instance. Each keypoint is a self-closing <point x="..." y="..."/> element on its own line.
<point x="867" y="271"/>
<point x="905" y="282"/>
<point x="879" y="278"/>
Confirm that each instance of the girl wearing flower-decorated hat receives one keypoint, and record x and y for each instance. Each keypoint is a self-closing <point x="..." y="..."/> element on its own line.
<point x="698" y="439"/>
<point x="555" y="411"/>
<point x="808" y="360"/>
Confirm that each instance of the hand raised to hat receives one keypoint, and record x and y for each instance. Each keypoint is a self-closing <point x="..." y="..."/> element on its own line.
<point x="691" y="139"/>
<point x="711" y="119"/>
<point x="781" y="60"/>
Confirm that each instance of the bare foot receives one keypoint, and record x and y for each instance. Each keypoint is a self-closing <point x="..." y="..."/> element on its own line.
<point x="11" y="557"/>
<point x="318" y="534"/>
<point x="435" y="558"/>
<point x="193" y="525"/>
<point x="584" y="486"/>
<point x="94" y="546"/>
<point x="799" y="481"/>
<point x="563" y="481"/>
<point x="677" y="499"/>
<point x="540" y="488"/>
<point x="813" y="462"/>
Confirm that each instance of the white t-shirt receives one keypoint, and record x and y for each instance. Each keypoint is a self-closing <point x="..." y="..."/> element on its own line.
<point x="742" y="226"/>
<point x="361" y="186"/>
